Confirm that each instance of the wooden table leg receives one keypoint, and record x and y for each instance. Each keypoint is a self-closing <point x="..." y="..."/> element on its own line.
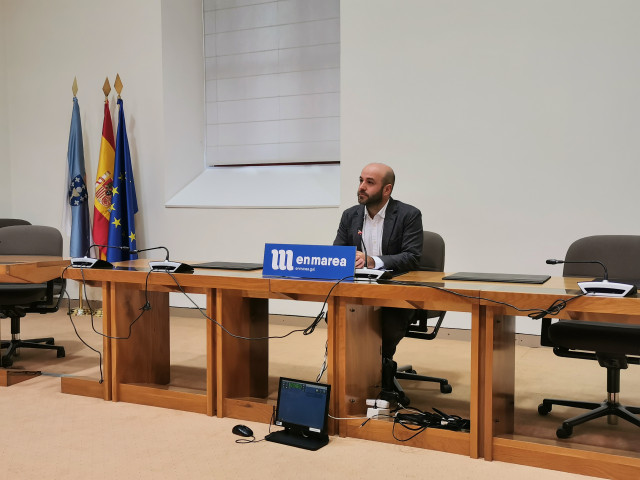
<point x="141" y="352"/>
<point x="242" y="365"/>
<point x="358" y="356"/>
<point x="499" y="377"/>
<point x="91" y="387"/>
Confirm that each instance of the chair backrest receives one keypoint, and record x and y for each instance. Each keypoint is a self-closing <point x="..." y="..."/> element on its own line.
<point x="6" y="222"/>
<point x="619" y="253"/>
<point x="432" y="258"/>
<point x="30" y="240"/>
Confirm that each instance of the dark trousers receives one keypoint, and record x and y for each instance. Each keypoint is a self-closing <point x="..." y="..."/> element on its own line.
<point x="395" y="322"/>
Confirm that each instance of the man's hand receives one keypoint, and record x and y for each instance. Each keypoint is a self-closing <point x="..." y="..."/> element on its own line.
<point x="360" y="260"/>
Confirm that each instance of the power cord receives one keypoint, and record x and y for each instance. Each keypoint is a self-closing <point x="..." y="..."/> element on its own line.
<point x="535" y="313"/>
<point x="253" y="438"/>
<point x="146" y="307"/>
<point x="305" y="331"/>
<point x="419" y="421"/>
<point x="69" y="314"/>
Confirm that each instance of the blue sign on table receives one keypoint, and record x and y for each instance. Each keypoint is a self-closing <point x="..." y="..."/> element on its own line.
<point x="308" y="261"/>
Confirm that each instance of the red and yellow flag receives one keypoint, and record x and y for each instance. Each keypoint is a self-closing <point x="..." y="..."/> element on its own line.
<point x="104" y="184"/>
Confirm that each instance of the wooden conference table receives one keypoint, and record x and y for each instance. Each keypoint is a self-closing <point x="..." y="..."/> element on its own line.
<point x="137" y="370"/>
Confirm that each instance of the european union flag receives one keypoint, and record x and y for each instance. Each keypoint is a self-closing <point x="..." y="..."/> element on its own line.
<point x="124" y="205"/>
<point x="77" y="188"/>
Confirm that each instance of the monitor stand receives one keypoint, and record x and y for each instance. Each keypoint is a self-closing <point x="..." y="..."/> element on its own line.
<point x="287" y="437"/>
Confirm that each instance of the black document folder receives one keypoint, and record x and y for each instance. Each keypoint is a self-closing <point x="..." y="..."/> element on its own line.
<point x="229" y="265"/>
<point x="497" y="277"/>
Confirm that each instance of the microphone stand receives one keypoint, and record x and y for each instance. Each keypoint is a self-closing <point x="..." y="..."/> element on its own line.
<point x="600" y="288"/>
<point x="366" y="274"/>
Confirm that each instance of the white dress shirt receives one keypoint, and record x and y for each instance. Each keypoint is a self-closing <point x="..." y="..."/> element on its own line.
<point x="372" y="235"/>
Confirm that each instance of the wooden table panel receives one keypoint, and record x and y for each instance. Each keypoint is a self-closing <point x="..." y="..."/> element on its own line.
<point x="242" y="365"/>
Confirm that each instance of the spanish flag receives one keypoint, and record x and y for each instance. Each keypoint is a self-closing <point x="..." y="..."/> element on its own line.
<point x="104" y="184"/>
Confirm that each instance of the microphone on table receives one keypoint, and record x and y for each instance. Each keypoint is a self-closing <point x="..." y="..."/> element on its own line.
<point x="368" y="274"/>
<point x="90" y="262"/>
<point x="166" y="265"/>
<point x="601" y="288"/>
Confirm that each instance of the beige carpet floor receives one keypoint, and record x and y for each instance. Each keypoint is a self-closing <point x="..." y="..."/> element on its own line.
<point x="47" y="433"/>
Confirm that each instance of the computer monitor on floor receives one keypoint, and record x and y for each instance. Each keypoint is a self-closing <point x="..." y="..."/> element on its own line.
<point x="303" y="411"/>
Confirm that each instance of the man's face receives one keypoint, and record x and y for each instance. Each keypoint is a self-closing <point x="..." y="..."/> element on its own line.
<point x="370" y="189"/>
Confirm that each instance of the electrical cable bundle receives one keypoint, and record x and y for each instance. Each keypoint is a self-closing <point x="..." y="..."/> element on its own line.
<point x="418" y="421"/>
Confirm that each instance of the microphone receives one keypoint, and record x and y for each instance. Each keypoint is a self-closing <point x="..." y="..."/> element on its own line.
<point x="553" y="261"/>
<point x="153" y="248"/>
<point x="123" y="248"/>
<point x="602" y="288"/>
<point x="364" y="246"/>
<point x="90" y="262"/>
<point x="365" y="273"/>
<point x="166" y="265"/>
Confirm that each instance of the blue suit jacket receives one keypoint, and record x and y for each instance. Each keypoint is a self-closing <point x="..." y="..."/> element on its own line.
<point x="401" y="234"/>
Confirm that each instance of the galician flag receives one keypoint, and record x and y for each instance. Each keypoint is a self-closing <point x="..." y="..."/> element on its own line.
<point x="124" y="206"/>
<point x="77" y="197"/>
<point x="104" y="184"/>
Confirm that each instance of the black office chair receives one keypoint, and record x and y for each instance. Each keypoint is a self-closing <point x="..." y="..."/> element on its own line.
<point x="432" y="259"/>
<point x="613" y="345"/>
<point x="18" y="299"/>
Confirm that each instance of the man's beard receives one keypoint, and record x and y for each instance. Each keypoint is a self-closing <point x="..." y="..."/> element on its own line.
<point x="371" y="199"/>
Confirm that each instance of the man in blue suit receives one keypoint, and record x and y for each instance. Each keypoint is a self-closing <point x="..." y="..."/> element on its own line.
<point x="392" y="235"/>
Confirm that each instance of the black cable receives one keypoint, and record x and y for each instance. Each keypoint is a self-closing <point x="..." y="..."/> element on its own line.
<point x="536" y="313"/>
<point x="420" y="421"/>
<point x="253" y="438"/>
<point x="309" y="330"/>
<point x="305" y="331"/>
<point x="144" y="308"/>
<point x="69" y="312"/>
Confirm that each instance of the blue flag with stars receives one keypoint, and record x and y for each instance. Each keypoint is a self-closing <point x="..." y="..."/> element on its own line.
<point x="77" y="188"/>
<point x="124" y="205"/>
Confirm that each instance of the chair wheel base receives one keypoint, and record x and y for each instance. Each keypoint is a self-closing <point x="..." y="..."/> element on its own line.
<point x="398" y="398"/>
<point x="565" y="431"/>
<point x="543" y="409"/>
<point x="446" y="388"/>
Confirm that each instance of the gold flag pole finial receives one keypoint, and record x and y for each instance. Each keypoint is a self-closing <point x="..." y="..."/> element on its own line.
<point x="106" y="88"/>
<point x="74" y="87"/>
<point x="118" y="84"/>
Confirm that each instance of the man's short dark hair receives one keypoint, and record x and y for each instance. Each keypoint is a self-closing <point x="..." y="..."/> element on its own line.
<point x="389" y="178"/>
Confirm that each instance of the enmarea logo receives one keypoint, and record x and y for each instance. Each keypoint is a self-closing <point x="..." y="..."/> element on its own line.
<point x="282" y="259"/>
<point x="308" y="261"/>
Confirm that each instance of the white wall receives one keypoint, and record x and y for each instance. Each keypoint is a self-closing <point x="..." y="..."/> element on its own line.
<point x="512" y="125"/>
<point x="50" y="44"/>
<point x="5" y="179"/>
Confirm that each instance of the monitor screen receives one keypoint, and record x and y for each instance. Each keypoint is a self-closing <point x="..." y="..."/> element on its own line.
<point x="303" y="405"/>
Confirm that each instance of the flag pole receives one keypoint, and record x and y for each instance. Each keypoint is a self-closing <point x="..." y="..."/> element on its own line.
<point x="80" y="309"/>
